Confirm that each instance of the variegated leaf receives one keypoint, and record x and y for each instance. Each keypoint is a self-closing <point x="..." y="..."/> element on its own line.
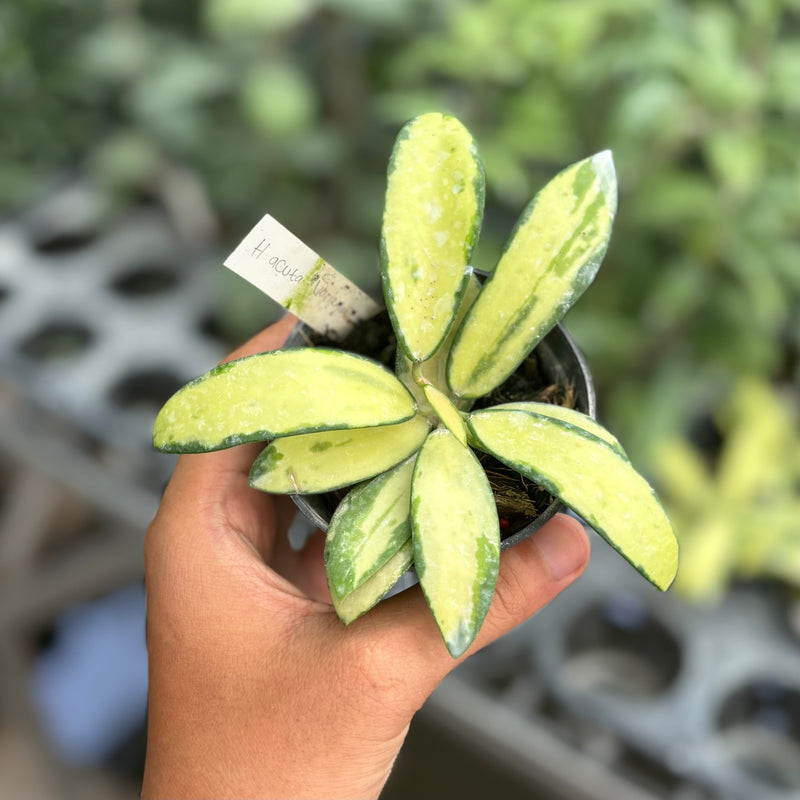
<point x="280" y="393"/>
<point x="568" y="415"/>
<point x="447" y="413"/>
<point x="551" y="258"/>
<point x="456" y="537"/>
<point x="434" y="370"/>
<point x="374" y="588"/>
<point x="591" y="477"/>
<point x="370" y="525"/>
<point x="431" y="221"/>
<point x="310" y="463"/>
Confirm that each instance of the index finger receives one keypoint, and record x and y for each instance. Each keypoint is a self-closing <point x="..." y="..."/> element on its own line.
<point x="272" y="337"/>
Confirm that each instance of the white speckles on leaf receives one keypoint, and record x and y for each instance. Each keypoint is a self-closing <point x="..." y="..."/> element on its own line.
<point x="434" y="212"/>
<point x="429" y="229"/>
<point x="549" y="261"/>
<point x="591" y="476"/>
<point x="456" y="537"/>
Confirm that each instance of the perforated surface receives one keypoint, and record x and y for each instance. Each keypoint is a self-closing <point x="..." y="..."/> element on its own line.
<point x="668" y="694"/>
<point x="101" y="316"/>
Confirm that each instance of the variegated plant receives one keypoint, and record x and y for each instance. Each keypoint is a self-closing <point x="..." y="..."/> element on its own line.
<point x="405" y="440"/>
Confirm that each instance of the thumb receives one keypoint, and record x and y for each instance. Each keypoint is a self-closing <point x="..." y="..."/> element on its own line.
<point x="532" y="573"/>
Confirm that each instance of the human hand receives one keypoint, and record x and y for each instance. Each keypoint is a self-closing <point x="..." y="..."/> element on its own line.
<point x="256" y="687"/>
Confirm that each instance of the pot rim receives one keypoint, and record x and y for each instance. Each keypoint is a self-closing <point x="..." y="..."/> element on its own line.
<point x="558" y="349"/>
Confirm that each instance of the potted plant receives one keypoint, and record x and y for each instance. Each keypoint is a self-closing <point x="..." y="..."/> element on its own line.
<point x="407" y="441"/>
<point x="554" y="372"/>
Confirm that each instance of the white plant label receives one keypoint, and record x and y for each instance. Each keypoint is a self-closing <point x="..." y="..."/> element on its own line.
<point x="274" y="260"/>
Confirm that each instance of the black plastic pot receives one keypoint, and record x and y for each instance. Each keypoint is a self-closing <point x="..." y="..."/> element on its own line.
<point x="560" y="362"/>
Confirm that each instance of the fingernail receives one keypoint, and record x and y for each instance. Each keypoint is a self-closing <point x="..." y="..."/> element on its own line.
<point x="563" y="546"/>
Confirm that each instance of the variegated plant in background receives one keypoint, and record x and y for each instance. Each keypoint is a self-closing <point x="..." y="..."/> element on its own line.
<point x="405" y="441"/>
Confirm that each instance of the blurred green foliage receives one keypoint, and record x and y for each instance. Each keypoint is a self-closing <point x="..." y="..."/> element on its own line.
<point x="291" y="107"/>
<point x="738" y="508"/>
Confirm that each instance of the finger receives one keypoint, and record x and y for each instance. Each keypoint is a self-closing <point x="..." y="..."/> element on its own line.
<point x="220" y="470"/>
<point x="531" y="574"/>
<point x="271" y="338"/>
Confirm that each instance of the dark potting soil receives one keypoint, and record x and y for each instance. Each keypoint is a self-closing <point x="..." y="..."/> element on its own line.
<point x="519" y="501"/>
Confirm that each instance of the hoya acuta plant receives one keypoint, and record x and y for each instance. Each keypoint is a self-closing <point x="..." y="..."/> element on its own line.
<point x="406" y="441"/>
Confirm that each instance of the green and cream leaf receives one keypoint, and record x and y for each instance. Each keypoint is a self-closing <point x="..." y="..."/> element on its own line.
<point x="280" y="393"/>
<point x="434" y="370"/>
<point x="431" y="221"/>
<point x="447" y="413"/>
<point x="456" y="537"/>
<point x="370" y="525"/>
<point x="551" y="258"/>
<point x="369" y="593"/>
<point x="589" y="476"/>
<point x="568" y="415"/>
<point x="310" y="463"/>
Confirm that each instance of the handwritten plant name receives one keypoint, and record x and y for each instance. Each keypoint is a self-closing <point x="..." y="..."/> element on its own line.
<point x="279" y="265"/>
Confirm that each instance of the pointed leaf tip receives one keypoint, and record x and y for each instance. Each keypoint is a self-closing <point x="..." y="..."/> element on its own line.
<point x="550" y="259"/>
<point x="603" y="163"/>
<point x="456" y="537"/>
<point x="589" y="475"/>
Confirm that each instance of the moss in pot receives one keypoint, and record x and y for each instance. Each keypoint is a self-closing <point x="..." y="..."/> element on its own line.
<point x="407" y="441"/>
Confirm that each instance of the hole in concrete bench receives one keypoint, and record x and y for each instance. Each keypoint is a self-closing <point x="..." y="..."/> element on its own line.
<point x="618" y="647"/>
<point x="57" y="340"/>
<point x="212" y="327"/>
<point x="54" y="241"/>
<point x="759" y="730"/>
<point x="145" y="281"/>
<point x="146" y="390"/>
